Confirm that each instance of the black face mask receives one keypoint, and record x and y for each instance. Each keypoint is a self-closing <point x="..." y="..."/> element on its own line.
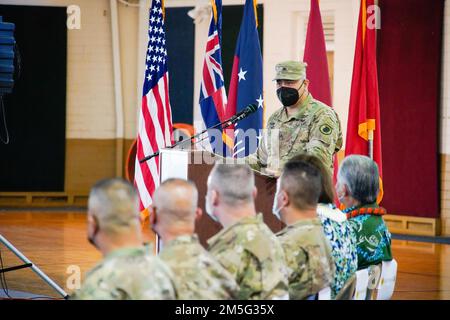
<point x="153" y="224"/>
<point x="288" y="96"/>
<point x="91" y="238"/>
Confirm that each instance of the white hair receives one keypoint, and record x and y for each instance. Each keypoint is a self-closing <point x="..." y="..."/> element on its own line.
<point x="360" y="175"/>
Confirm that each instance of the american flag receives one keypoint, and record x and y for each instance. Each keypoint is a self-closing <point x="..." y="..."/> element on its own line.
<point x="155" y="118"/>
<point x="213" y="98"/>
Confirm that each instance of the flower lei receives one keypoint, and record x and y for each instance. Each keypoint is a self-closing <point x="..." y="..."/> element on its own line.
<point x="355" y="211"/>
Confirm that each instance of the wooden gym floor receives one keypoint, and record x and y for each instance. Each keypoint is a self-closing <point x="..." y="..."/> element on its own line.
<point x="56" y="242"/>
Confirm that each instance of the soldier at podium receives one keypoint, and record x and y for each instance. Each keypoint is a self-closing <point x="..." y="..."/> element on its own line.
<point x="302" y="125"/>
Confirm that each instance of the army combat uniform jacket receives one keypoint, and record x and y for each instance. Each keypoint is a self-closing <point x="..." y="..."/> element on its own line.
<point x="308" y="256"/>
<point x="128" y="274"/>
<point x="315" y="129"/>
<point x="197" y="275"/>
<point x="253" y="255"/>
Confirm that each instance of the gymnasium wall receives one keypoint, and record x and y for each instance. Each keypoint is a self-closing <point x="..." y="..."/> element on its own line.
<point x="90" y="124"/>
<point x="445" y="125"/>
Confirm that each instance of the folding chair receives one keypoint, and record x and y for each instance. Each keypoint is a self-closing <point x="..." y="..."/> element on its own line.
<point x="387" y="281"/>
<point x="348" y="290"/>
<point x="362" y="281"/>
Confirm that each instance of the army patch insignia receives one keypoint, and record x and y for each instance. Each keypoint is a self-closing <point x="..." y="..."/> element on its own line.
<point x="325" y="129"/>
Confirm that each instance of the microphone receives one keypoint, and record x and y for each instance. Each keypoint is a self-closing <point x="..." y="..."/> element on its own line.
<point x="251" y="108"/>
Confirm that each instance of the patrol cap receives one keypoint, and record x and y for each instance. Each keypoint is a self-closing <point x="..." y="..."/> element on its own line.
<point x="290" y="70"/>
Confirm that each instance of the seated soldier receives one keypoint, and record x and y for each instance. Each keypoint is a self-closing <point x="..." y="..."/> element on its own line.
<point x="246" y="247"/>
<point x="336" y="227"/>
<point x="197" y="275"/>
<point x="128" y="270"/>
<point x="307" y="251"/>
<point x="357" y="188"/>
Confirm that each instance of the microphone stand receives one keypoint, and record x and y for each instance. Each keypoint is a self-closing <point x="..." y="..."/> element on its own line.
<point x="225" y="124"/>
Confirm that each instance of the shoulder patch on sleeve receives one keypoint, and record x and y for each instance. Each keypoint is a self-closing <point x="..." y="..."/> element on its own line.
<point x="326" y="129"/>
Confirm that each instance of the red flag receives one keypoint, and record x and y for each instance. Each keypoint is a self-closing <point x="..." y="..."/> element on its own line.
<point x="364" y="109"/>
<point x="316" y="57"/>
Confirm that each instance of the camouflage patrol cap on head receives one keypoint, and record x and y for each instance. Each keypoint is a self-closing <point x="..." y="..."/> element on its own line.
<point x="290" y="70"/>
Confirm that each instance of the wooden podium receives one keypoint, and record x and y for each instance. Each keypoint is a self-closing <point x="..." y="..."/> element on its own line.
<point x="195" y="166"/>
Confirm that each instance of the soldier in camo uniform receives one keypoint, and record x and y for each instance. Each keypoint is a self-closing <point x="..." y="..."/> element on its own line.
<point x="308" y="252"/>
<point x="128" y="271"/>
<point x="197" y="275"/>
<point x="302" y="125"/>
<point x="246" y="247"/>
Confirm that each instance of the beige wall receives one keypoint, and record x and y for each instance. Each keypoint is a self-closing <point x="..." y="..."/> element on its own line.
<point x="445" y="126"/>
<point x="91" y="117"/>
<point x="445" y="194"/>
<point x="128" y="32"/>
<point x="90" y="81"/>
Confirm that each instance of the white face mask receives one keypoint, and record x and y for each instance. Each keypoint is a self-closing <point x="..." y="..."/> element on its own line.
<point x="340" y="195"/>
<point x="209" y="210"/>
<point x="275" y="210"/>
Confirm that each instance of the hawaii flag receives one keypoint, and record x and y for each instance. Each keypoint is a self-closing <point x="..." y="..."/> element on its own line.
<point x="213" y="98"/>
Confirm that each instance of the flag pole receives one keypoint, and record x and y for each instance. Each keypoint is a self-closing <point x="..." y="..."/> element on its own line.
<point x="370" y="142"/>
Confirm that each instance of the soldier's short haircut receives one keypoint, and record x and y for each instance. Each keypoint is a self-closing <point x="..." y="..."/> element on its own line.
<point x="328" y="193"/>
<point x="360" y="175"/>
<point x="234" y="182"/>
<point x="302" y="182"/>
<point x="176" y="200"/>
<point x="115" y="204"/>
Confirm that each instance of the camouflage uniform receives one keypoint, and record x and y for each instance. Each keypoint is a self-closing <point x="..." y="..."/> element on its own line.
<point x="308" y="256"/>
<point x="128" y="274"/>
<point x="315" y="129"/>
<point x="197" y="275"/>
<point x="254" y="256"/>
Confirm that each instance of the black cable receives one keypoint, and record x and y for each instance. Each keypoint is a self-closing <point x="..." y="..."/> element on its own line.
<point x="3" y="278"/>
<point x="44" y="298"/>
<point x="4" y="121"/>
<point x="17" y="74"/>
<point x="17" y="62"/>
<point x="5" y="288"/>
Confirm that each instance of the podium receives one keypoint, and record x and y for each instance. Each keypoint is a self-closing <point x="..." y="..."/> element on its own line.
<point x="195" y="166"/>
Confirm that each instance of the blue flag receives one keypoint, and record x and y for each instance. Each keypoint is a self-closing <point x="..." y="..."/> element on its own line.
<point x="246" y="85"/>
